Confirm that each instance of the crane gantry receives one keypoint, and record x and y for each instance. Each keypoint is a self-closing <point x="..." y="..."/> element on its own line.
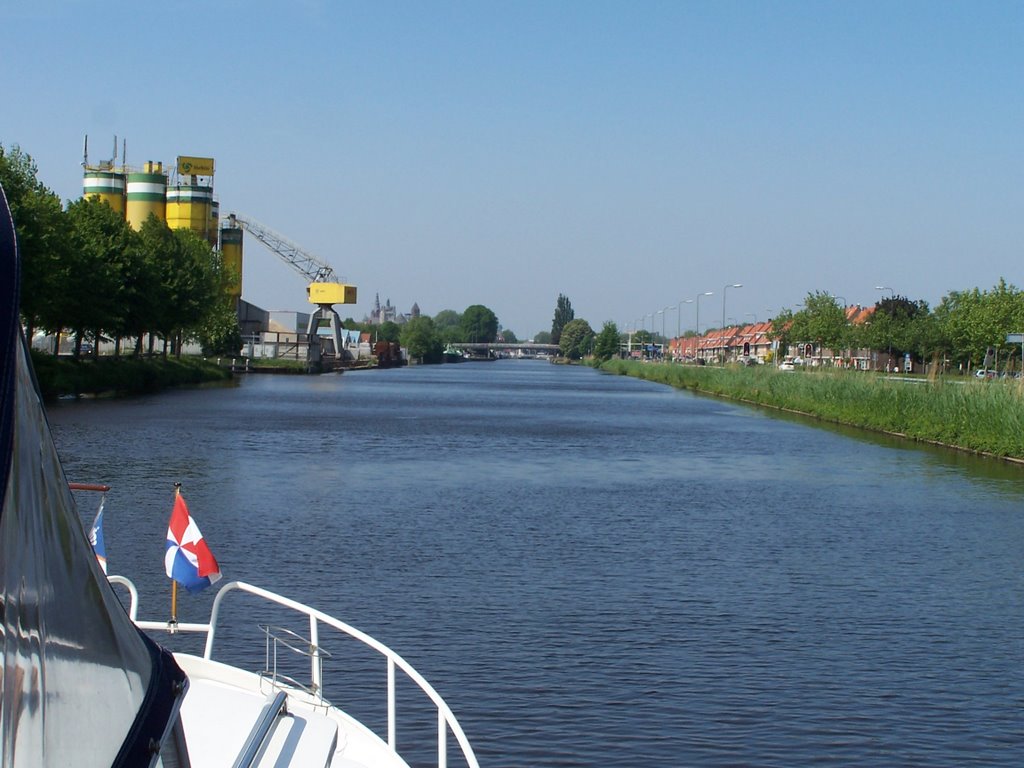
<point x="323" y="289"/>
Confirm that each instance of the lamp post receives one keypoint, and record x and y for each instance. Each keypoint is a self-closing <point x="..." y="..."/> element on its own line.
<point x="726" y="288"/>
<point x="662" y="313"/>
<point x="706" y="293"/>
<point x="651" y="315"/>
<point x="753" y="315"/>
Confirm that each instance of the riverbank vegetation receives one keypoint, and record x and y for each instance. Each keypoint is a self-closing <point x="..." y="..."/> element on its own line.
<point x="125" y="375"/>
<point x="977" y="415"/>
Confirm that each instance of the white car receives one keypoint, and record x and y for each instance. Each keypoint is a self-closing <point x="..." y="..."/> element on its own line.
<point x="787" y="366"/>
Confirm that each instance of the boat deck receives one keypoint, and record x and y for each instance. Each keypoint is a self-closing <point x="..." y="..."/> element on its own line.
<point x="303" y="733"/>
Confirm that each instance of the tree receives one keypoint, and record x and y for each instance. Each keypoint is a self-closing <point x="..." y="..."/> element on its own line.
<point x="95" y="268"/>
<point x="419" y="336"/>
<point x="821" y="321"/>
<point x="389" y="331"/>
<point x="219" y="333"/>
<point x="508" y="336"/>
<point x="187" y="281"/>
<point x="576" y="339"/>
<point x="448" y="325"/>
<point x="563" y="316"/>
<point x="972" y="322"/>
<point x="42" y="230"/>
<point x="781" y="330"/>
<point x="479" y="325"/>
<point x="606" y="346"/>
<point x="543" y="337"/>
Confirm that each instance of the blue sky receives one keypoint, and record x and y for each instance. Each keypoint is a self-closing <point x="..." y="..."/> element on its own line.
<point x="627" y="154"/>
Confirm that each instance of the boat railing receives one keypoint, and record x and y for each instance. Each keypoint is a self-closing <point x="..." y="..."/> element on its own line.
<point x="446" y="720"/>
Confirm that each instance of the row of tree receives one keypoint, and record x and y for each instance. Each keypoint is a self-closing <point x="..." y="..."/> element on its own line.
<point x="963" y="329"/>
<point x="85" y="269"/>
<point x="576" y="339"/>
<point x="426" y="337"/>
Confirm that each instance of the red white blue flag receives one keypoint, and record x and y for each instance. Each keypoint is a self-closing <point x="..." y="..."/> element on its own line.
<point x="188" y="559"/>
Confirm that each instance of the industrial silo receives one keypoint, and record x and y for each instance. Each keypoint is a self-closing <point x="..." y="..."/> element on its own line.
<point x="108" y="186"/>
<point x="147" y="194"/>
<point x="231" y="254"/>
<point x="188" y="207"/>
<point x="214" y="222"/>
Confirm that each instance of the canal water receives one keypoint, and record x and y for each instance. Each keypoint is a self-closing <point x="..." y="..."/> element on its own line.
<point x="595" y="570"/>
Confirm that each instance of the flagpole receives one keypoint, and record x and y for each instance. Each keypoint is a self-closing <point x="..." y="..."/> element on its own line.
<point x="174" y="584"/>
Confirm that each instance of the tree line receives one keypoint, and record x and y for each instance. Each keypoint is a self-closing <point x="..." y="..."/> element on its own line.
<point x="425" y="338"/>
<point x="965" y="329"/>
<point x="84" y="269"/>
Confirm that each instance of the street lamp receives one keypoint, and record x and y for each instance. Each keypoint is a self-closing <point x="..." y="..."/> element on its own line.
<point x="753" y="315"/>
<point x="662" y="313"/>
<point x="726" y="288"/>
<point x="706" y="293"/>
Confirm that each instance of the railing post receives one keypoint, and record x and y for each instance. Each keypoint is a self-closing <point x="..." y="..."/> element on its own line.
<point x="392" y="738"/>
<point x="315" y="658"/>
<point x="442" y="740"/>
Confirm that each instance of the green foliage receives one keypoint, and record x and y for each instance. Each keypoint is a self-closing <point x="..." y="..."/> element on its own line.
<point x="119" y="375"/>
<point x="479" y="324"/>
<point x="389" y="331"/>
<point x="606" y="346"/>
<point x="419" y="336"/>
<point x="576" y="339"/>
<point x="543" y="337"/>
<point x="821" y="321"/>
<point x="508" y="336"/>
<point x="563" y="316"/>
<point x="42" y="232"/>
<point x="94" y="270"/>
<point x="780" y="330"/>
<point x="219" y="333"/>
<point x="970" y="322"/>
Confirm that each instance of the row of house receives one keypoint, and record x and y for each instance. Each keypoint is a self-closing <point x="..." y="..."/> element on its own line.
<point x="751" y="343"/>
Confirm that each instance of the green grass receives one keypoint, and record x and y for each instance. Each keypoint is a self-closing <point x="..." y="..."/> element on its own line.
<point x="974" y="415"/>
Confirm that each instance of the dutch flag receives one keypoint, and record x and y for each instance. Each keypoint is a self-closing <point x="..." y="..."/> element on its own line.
<point x="188" y="560"/>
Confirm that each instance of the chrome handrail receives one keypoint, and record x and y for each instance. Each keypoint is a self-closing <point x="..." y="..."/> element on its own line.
<point x="446" y="719"/>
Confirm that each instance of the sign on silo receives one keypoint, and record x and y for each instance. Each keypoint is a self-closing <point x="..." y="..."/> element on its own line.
<point x="195" y="166"/>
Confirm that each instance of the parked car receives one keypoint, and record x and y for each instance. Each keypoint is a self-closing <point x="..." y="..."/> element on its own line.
<point x="983" y="373"/>
<point x="787" y="366"/>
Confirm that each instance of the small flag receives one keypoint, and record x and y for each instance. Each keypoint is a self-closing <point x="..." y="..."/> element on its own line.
<point x="188" y="560"/>
<point x="96" y="537"/>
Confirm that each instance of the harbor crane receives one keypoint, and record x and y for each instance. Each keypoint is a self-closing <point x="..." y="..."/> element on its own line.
<point x="323" y="289"/>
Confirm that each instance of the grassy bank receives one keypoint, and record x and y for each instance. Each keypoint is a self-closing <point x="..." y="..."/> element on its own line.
<point x="120" y="375"/>
<point x="980" y="416"/>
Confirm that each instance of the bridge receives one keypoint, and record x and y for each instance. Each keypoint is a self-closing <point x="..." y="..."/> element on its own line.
<point x="527" y="349"/>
